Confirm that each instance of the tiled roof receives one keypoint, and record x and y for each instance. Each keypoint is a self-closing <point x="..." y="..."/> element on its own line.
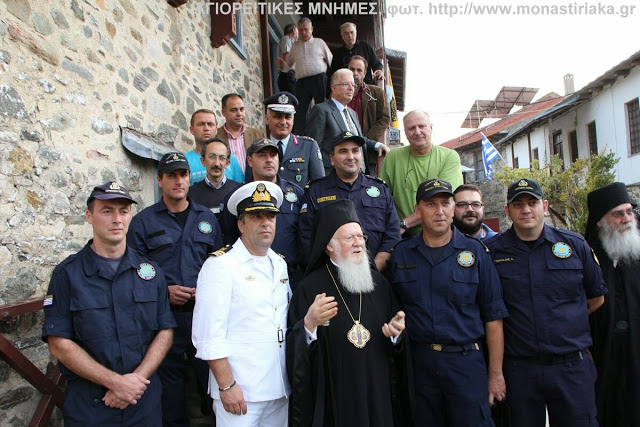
<point x="529" y="110"/>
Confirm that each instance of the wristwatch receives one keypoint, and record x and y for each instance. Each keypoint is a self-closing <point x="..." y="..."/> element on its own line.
<point x="403" y="224"/>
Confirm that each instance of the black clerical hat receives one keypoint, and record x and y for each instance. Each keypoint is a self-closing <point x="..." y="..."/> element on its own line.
<point x="326" y="222"/>
<point x="602" y="200"/>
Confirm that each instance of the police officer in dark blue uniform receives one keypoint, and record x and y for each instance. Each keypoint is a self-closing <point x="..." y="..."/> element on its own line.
<point x="300" y="158"/>
<point x="107" y="321"/>
<point x="551" y="281"/>
<point x="369" y="194"/>
<point x="179" y="235"/>
<point x="262" y="156"/>
<point x="450" y="293"/>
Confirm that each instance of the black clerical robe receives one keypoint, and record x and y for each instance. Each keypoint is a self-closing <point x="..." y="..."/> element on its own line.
<point x="333" y="382"/>
<point x="616" y="353"/>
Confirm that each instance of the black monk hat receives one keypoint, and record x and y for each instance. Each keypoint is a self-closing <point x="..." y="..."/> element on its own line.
<point x="602" y="200"/>
<point x="325" y="223"/>
<point x="109" y="191"/>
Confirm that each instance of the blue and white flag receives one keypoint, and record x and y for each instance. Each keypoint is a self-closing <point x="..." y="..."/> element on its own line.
<point x="489" y="155"/>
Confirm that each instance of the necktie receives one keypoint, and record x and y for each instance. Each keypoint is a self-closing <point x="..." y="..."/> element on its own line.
<point x="280" y="152"/>
<point x="352" y="129"/>
<point x="349" y="123"/>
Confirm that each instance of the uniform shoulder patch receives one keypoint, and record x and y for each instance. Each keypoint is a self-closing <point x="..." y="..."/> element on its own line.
<point x="222" y="251"/>
<point x="280" y="255"/>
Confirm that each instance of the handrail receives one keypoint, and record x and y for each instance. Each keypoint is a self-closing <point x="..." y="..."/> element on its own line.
<point x="52" y="393"/>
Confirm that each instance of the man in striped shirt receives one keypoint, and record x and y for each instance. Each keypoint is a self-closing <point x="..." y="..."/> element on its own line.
<point x="234" y="132"/>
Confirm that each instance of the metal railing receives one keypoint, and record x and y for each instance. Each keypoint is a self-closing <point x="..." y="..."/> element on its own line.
<point x="50" y="387"/>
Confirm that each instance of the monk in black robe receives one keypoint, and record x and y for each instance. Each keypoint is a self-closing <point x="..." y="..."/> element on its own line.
<point x="345" y="351"/>
<point x="612" y="232"/>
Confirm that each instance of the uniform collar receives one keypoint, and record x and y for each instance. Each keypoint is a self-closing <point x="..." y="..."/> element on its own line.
<point x="511" y="239"/>
<point x="243" y="254"/>
<point x="458" y="239"/>
<point x="161" y="205"/>
<point x="285" y="141"/>
<point x="91" y="267"/>
<point x="334" y="180"/>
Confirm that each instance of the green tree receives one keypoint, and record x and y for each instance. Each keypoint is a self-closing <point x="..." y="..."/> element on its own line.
<point x="567" y="189"/>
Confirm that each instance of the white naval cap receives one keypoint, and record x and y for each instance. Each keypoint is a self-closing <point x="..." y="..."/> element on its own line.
<point x="256" y="196"/>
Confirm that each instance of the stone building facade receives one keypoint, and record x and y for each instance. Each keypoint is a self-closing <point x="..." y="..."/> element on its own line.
<point x="72" y="72"/>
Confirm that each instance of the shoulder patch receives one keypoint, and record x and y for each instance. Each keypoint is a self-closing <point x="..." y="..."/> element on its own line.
<point x="146" y="271"/>
<point x="280" y="255"/>
<point x="222" y="251"/>
<point x="561" y="250"/>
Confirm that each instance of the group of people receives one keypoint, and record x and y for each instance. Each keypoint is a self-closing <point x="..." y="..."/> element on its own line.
<point x="357" y="300"/>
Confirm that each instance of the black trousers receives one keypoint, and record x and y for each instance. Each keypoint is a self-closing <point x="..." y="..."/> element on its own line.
<point x="308" y="88"/>
<point x="287" y="81"/>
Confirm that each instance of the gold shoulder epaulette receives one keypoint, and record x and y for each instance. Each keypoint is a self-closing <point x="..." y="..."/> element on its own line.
<point x="222" y="251"/>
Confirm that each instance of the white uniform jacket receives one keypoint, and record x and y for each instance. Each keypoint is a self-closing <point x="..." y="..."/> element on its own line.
<point x="241" y="314"/>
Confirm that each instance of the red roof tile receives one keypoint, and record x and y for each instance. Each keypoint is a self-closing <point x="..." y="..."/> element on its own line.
<point x="529" y="110"/>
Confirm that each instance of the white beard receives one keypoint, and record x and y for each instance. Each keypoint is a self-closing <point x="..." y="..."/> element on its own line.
<point x="621" y="245"/>
<point x="355" y="276"/>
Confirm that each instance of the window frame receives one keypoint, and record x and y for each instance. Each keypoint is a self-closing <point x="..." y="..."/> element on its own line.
<point x="236" y="41"/>
<point x="592" y="136"/>
<point x="633" y="125"/>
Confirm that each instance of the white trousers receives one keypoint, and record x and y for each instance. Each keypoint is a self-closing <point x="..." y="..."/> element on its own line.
<point x="272" y="413"/>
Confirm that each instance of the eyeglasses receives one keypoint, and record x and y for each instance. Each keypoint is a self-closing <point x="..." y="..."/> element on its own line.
<point x="464" y="205"/>
<point x="619" y="214"/>
<point x="359" y="237"/>
<point x="353" y="85"/>
<point x="221" y="158"/>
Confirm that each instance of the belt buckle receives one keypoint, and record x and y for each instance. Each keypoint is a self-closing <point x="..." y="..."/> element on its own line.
<point x="436" y="347"/>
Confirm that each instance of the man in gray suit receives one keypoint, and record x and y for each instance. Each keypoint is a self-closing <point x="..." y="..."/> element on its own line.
<point x="331" y="118"/>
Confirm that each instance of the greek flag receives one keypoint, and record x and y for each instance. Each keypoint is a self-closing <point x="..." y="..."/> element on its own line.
<point x="489" y="155"/>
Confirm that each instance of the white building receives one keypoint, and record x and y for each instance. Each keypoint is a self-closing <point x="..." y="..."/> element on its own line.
<point x="604" y="115"/>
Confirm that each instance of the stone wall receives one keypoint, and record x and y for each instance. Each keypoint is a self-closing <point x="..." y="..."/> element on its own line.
<point x="71" y="73"/>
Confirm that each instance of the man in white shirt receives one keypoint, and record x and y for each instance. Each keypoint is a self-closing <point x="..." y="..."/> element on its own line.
<point x="287" y="79"/>
<point x="240" y="317"/>
<point x="311" y="57"/>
